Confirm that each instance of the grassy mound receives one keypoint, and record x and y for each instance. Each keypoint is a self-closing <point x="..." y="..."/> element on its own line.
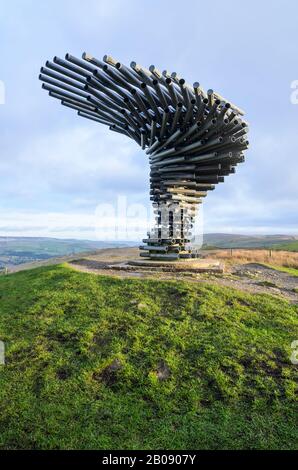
<point x="99" y="362"/>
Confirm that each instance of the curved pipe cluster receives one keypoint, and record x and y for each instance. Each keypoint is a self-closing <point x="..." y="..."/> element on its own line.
<point x="193" y="138"/>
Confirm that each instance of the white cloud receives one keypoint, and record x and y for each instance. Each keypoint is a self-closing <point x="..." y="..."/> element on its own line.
<point x="81" y="160"/>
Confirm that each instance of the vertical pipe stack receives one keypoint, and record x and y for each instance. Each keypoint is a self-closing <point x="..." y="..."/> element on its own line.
<point x="193" y="138"/>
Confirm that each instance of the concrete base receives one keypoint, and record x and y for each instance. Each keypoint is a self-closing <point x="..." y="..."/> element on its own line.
<point x="188" y="265"/>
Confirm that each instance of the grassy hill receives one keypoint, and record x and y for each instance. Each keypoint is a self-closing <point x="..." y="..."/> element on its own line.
<point x="99" y="362"/>
<point x="225" y="240"/>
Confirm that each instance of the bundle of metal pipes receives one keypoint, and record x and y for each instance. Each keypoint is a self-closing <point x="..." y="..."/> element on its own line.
<point x="193" y="138"/>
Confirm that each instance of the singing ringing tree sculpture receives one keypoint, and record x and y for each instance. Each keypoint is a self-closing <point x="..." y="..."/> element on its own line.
<point x="193" y="138"/>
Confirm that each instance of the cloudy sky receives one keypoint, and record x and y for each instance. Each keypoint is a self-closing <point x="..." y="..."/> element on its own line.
<point x="58" y="171"/>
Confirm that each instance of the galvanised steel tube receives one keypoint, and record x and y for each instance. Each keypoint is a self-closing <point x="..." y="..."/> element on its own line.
<point x="190" y="176"/>
<point x="137" y="116"/>
<point x="64" y="71"/>
<point x="213" y="110"/>
<point x="201" y="110"/>
<point x="241" y="132"/>
<point x="173" y="168"/>
<point x="145" y="75"/>
<point x="93" y="60"/>
<point x="211" y="157"/>
<point x="88" y="116"/>
<point x="75" y="90"/>
<point x="80" y="63"/>
<point x="215" y="145"/>
<point x="152" y="132"/>
<point x="157" y="73"/>
<point x="129" y="74"/>
<point x="224" y="109"/>
<point x="184" y="92"/>
<point x="109" y="60"/>
<point x="176" y="116"/>
<point x="61" y="78"/>
<point x="71" y="67"/>
<point x="62" y="93"/>
<point x="189" y="184"/>
<point x="150" y="100"/>
<point x="134" y="136"/>
<point x="210" y="96"/>
<point x="168" y="161"/>
<point x="130" y="120"/>
<point x="97" y="85"/>
<point x="64" y="97"/>
<point x="171" y="91"/>
<point x="208" y="168"/>
<point x="153" y="146"/>
<point x="117" y="78"/>
<point x="165" y="118"/>
<point x="102" y="98"/>
<point x="189" y="114"/>
<point x="138" y="98"/>
<point x="115" y="117"/>
<point x="119" y="130"/>
<point x="197" y="92"/>
<point x="81" y="108"/>
<point x="202" y="128"/>
<point x="143" y="140"/>
<point x="194" y="128"/>
<point x="163" y="97"/>
<point x="193" y="192"/>
<point x="107" y="82"/>
<point x="172" y="138"/>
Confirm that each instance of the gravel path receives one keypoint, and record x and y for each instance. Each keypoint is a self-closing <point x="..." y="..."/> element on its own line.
<point x="259" y="279"/>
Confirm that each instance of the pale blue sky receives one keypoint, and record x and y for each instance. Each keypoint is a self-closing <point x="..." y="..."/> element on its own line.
<point x="56" y="167"/>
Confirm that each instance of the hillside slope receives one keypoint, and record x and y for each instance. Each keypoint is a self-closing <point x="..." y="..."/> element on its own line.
<point x="15" y="251"/>
<point x="99" y="362"/>
<point x="226" y="240"/>
<point x="291" y="246"/>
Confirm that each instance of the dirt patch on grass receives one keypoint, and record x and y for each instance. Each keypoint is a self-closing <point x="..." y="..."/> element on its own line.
<point x="163" y="371"/>
<point x="109" y="374"/>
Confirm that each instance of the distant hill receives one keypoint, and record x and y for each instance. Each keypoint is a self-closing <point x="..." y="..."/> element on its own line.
<point x="225" y="240"/>
<point x="291" y="246"/>
<point x="19" y="250"/>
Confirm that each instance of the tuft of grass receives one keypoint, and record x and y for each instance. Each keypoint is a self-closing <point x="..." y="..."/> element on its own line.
<point x="96" y="362"/>
<point x="292" y="271"/>
<point x="266" y="284"/>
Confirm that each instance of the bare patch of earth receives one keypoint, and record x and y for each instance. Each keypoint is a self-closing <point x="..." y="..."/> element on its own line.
<point x="249" y="277"/>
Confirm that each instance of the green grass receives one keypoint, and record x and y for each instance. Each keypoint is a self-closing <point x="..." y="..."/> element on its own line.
<point x="292" y="271"/>
<point x="95" y="362"/>
<point x="266" y="284"/>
